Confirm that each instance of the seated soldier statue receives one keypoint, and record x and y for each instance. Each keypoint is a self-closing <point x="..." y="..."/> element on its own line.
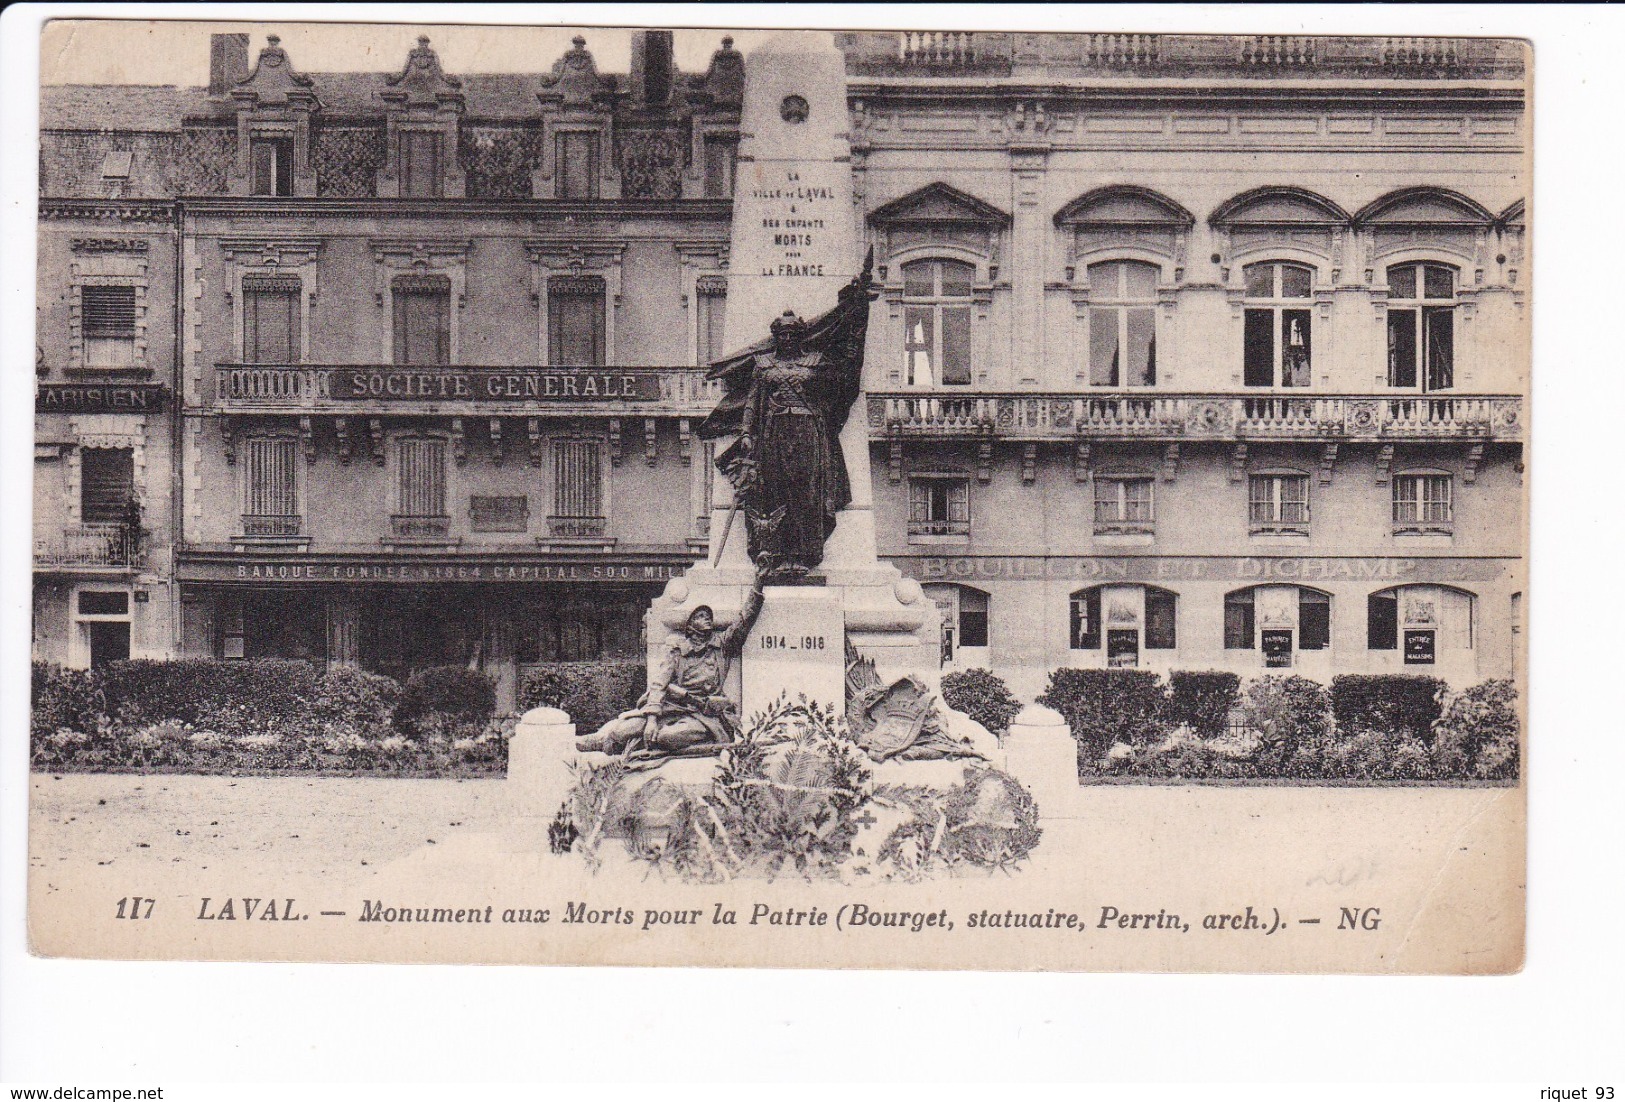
<point x="686" y="710"/>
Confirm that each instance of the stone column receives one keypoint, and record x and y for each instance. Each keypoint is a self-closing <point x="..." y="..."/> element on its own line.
<point x="539" y="753"/>
<point x="1041" y="753"/>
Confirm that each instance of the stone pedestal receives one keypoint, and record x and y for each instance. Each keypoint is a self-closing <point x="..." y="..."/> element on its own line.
<point x="539" y="754"/>
<point x="797" y="646"/>
<point x="1041" y="753"/>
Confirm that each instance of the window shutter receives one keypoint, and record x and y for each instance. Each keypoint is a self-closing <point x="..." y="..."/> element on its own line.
<point x="422" y="478"/>
<point x="107" y="483"/>
<point x="107" y="311"/>
<point x="577" y="479"/>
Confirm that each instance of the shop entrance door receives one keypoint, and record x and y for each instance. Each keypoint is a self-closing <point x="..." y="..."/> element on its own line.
<point x="109" y="642"/>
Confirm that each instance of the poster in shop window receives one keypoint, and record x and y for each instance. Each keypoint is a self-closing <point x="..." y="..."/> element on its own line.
<point x="1131" y="567"/>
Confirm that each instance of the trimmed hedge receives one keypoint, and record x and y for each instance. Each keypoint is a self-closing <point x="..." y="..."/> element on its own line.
<point x="1107" y="706"/>
<point x="982" y="695"/>
<point x="1202" y="701"/>
<point x="592" y="692"/>
<point x="1397" y="703"/>
<point x="454" y="693"/>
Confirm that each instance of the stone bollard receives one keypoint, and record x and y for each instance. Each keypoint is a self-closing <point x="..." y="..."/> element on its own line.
<point x="543" y="744"/>
<point x="1041" y="753"/>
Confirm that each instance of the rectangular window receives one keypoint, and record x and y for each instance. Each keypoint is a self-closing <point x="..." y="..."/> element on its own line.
<point x="721" y="166"/>
<point x="1382" y="621"/>
<point x="1258" y="348"/>
<point x="713" y="313"/>
<point x="107" y="319"/>
<point x="575" y="321"/>
<point x="919" y="341"/>
<point x="421" y="484"/>
<point x="1105" y="353"/>
<point x="271" y="320"/>
<point x="1314" y="620"/>
<point x="956" y="346"/>
<point x="576" y="170"/>
<point x="1239" y="624"/>
<point x="422" y="320"/>
<point x="973" y="618"/>
<point x="1085" y="632"/>
<point x="939" y="507"/>
<point x="1401" y="347"/>
<point x="420" y="164"/>
<point x="1438" y="338"/>
<point x="1422" y="499"/>
<point x="1123" y="501"/>
<point x="578" y="501"/>
<point x="1278" y="500"/>
<point x="106" y="484"/>
<point x="270" y="501"/>
<point x="1160" y="606"/>
<point x="1294" y="347"/>
<point x="271" y="166"/>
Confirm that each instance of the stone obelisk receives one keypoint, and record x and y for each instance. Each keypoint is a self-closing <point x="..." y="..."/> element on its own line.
<point x="795" y="243"/>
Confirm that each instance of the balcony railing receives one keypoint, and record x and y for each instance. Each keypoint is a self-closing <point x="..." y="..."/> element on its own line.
<point x="516" y="390"/>
<point x="265" y="525"/>
<point x="419" y="528"/>
<point x="939" y="527"/>
<point x="93" y="545"/>
<point x="575" y="527"/>
<point x="1196" y="416"/>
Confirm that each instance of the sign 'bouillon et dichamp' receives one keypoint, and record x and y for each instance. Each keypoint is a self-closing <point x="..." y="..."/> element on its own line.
<point x="419" y="384"/>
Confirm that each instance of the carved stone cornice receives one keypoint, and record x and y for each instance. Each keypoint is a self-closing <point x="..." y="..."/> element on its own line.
<point x="106" y="210"/>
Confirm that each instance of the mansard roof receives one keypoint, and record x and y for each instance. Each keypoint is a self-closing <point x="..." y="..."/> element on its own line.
<point x="939" y="202"/>
<point x="1124" y="205"/>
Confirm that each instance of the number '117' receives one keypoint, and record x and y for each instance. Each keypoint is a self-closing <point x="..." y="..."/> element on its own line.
<point x="134" y="906"/>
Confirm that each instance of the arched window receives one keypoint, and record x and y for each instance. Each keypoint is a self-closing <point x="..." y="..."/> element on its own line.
<point x="965" y="612"/>
<point x="1124" y="619"/>
<point x="937" y="321"/>
<point x="1276" y="340"/>
<point x="1423" y="621"/>
<point x="1123" y="323"/>
<point x="1278" y="620"/>
<point x="1421" y="325"/>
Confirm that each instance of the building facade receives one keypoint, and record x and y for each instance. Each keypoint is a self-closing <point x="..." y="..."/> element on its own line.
<point x="1192" y="352"/>
<point x="1200" y="352"/>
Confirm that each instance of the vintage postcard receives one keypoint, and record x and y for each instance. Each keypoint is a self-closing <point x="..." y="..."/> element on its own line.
<point x="871" y="499"/>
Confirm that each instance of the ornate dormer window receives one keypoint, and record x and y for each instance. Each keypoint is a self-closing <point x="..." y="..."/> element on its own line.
<point x="274" y="109"/>
<point x="577" y="130"/>
<point x="423" y="107"/>
<point x="937" y="251"/>
<point x="716" y="99"/>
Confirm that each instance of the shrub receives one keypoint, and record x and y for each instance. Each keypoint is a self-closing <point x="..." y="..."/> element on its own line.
<point x="64" y="699"/>
<point x="1389" y="703"/>
<point x="1202" y="701"/>
<point x="347" y="695"/>
<point x="187" y="689"/>
<point x="1107" y="706"/>
<point x="1478" y="734"/>
<point x="447" y="693"/>
<point x="1292" y="716"/>
<point x="983" y="696"/>
<point x="592" y="692"/>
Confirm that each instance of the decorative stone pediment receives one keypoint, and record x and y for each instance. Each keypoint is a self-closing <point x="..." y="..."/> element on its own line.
<point x="575" y="81"/>
<point x="1124" y="206"/>
<point x="1279" y="220"/>
<point x="940" y="203"/>
<point x="274" y="83"/>
<point x="423" y="84"/>
<point x="1424" y="206"/>
<point x="1279" y="206"/>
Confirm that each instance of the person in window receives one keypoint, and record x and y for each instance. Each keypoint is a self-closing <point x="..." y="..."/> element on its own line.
<point x="787" y="399"/>
<point x="686" y="711"/>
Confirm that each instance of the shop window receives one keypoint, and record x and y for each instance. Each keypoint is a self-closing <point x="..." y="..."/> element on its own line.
<point x="575" y="321"/>
<point x="270" y="489"/>
<point x="1421" y="326"/>
<point x="1123" y="323"/>
<point x="1240" y="620"/>
<point x="576" y="154"/>
<point x="422" y="320"/>
<point x="1314" y="619"/>
<point x="271" y="320"/>
<point x="1278" y="503"/>
<point x="711" y="301"/>
<point x="939" y="507"/>
<point x="419" y="164"/>
<point x="721" y="166"/>
<point x="1161" y="607"/>
<point x="420" y="488"/>
<point x="107" y="319"/>
<point x="1422" y="502"/>
<point x="106" y="485"/>
<point x="937" y="322"/>
<point x="1084" y="631"/>
<point x="1278" y="620"/>
<point x="965" y="617"/>
<point x="271" y="163"/>
<point x="1276" y="332"/>
<point x="1123" y="503"/>
<point x="578" y="490"/>
<point x="1421" y="621"/>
